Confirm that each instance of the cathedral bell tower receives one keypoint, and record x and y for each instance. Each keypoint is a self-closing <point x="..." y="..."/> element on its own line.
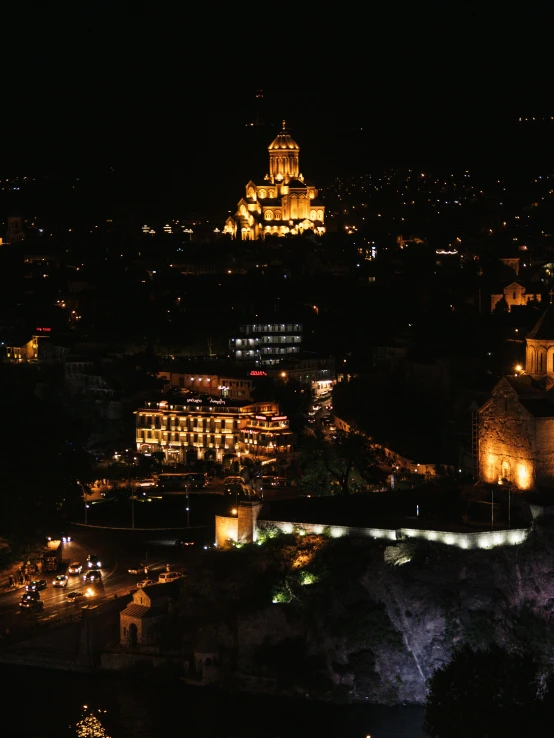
<point x="283" y="158"/>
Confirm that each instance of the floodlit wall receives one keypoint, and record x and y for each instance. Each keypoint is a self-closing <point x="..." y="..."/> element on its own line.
<point x="225" y="529"/>
<point x="507" y="447"/>
<point x="481" y="539"/>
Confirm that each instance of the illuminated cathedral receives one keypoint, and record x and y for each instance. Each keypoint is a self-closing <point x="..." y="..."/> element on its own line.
<point x="284" y="204"/>
<point x="516" y="424"/>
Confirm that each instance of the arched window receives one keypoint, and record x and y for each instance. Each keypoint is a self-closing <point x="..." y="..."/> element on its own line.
<point x="268" y="214"/>
<point x="277" y="215"/>
<point x="272" y="194"/>
<point x="313" y="215"/>
<point x="262" y="194"/>
<point x="531" y="368"/>
<point x="320" y="215"/>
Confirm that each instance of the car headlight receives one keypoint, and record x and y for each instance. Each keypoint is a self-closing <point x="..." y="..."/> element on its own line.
<point x="99" y="563"/>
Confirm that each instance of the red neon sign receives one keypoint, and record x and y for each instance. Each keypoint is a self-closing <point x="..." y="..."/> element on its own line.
<point x="43" y="330"/>
<point x="258" y="373"/>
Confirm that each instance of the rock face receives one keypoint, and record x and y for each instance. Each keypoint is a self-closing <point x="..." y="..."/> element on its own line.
<point x="373" y="626"/>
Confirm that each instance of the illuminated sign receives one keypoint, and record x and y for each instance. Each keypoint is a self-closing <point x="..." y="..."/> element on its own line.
<point x="217" y="402"/>
<point x="280" y="417"/>
<point x="198" y="401"/>
<point x="43" y="330"/>
<point x="260" y="417"/>
<point x="258" y="373"/>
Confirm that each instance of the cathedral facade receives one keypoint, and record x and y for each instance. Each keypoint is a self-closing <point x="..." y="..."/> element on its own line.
<point x="284" y="203"/>
<point x="516" y="424"/>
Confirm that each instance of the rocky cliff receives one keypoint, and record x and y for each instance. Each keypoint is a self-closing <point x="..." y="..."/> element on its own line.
<point x="363" y="620"/>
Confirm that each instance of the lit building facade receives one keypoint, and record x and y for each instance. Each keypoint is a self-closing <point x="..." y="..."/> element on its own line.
<point x="31" y="350"/>
<point x="516" y="424"/>
<point x="284" y="204"/>
<point x="216" y="385"/>
<point x="266" y="344"/>
<point x="212" y="430"/>
<point x="515" y="295"/>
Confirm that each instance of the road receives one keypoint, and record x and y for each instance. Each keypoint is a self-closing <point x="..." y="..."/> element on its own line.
<point x="117" y="550"/>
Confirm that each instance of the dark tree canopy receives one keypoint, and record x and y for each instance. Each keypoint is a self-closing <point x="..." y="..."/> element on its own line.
<point x="485" y="694"/>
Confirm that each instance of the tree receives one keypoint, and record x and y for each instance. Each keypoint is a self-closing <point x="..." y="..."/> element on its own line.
<point x="484" y="694"/>
<point x="348" y="461"/>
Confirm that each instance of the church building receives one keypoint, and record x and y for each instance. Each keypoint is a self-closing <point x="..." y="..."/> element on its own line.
<point x="516" y="424"/>
<point x="285" y="203"/>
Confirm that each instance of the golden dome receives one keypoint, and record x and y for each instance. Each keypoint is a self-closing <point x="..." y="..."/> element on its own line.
<point x="283" y="142"/>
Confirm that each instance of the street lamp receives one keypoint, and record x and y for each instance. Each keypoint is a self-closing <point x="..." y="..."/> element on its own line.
<point x="86" y="508"/>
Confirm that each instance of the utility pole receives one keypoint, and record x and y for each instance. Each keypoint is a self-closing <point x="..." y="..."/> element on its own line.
<point x="187" y="506"/>
<point x="510" y="506"/>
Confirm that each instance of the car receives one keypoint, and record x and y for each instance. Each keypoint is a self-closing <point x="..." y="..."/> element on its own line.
<point x="93" y="562"/>
<point x="30" y="597"/>
<point x="35" y="585"/>
<point x="28" y="602"/>
<point x="146" y="583"/>
<point x="138" y="569"/>
<point x="75" y="567"/>
<point x="60" y="580"/>
<point x="66" y="538"/>
<point x="92" y="575"/>
<point x="181" y="542"/>
<point x="170" y="576"/>
<point x="74" y="596"/>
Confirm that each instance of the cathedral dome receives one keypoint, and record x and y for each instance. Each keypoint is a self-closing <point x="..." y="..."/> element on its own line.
<point x="283" y="142"/>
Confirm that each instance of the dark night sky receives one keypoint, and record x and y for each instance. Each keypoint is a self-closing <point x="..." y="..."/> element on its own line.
<point x="146" y="87"/>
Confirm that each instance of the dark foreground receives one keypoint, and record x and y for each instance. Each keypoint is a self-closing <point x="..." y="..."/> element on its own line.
<point x="44" y="704"/>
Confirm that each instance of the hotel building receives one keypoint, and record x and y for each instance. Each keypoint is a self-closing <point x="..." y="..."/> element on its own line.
<point x="212" y="429"/>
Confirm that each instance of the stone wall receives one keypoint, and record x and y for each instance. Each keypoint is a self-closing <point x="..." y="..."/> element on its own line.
<point x="466" y="540"/>
<point x="506" y="439"/>
<point x="545" y="451"/>
<point x="226" y="528"/>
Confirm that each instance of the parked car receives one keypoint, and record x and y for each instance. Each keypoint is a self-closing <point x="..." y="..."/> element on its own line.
<point x="75" y="567"/>
<point x="170" y="576"/>
<point x="35" y="585"/>
<point x="146" y="583"/>
<point x="92" y="575"/>
<point x="60" y="581"/>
